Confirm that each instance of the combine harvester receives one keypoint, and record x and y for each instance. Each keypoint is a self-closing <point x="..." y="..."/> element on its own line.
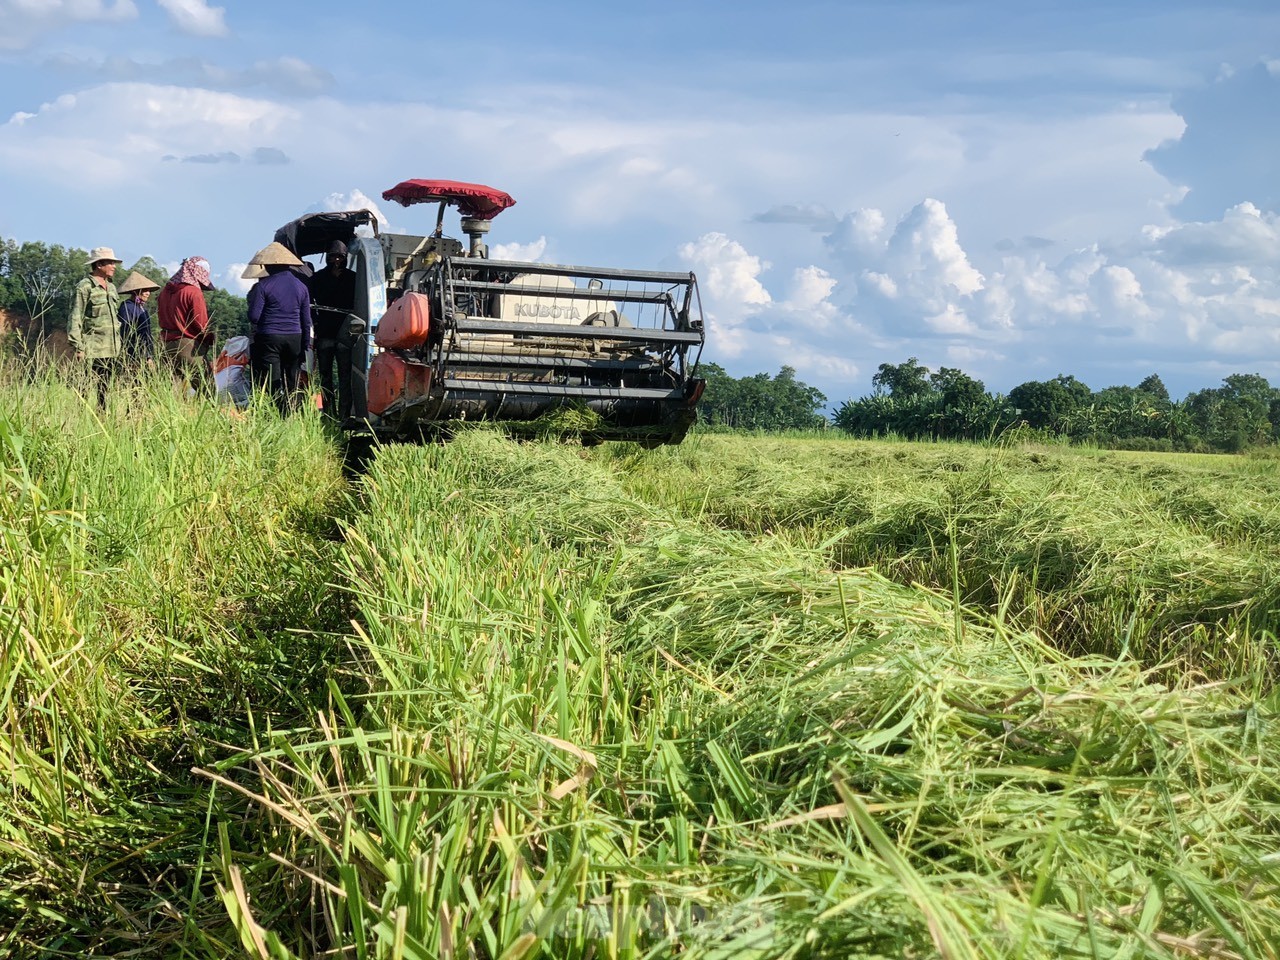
<point x="447" y="335"/>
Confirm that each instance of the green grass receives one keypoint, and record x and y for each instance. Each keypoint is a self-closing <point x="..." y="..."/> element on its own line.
<point x="746" y="697"/>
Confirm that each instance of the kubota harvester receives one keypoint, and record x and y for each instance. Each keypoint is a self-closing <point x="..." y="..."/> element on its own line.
<point x="448" y="334"/>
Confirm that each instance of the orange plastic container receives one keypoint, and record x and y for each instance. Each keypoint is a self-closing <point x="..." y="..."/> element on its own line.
<point x="406" y="322"/>
<point x="393" y="378"/>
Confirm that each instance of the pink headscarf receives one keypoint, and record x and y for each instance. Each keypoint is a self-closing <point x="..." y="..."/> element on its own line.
<point x="193" y="270"/>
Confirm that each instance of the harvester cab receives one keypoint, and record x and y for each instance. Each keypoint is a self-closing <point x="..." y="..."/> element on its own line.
<point x="452" y="335"/>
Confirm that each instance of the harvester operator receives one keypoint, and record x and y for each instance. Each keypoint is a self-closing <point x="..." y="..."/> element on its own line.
<point x="333" y="297"/>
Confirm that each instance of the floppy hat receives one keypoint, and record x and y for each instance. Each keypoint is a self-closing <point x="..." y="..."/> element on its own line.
<point x="276" y="254"/>
<point x="98" y="254"/>
<point x="253" y="271"/>
<point x="136" y="281"/>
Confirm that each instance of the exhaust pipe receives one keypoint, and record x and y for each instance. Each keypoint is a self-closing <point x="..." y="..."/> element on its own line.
<point x="476" y="228"/>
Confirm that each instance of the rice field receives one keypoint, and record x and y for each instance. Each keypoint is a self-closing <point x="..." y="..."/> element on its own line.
<point x="746" y="697"/>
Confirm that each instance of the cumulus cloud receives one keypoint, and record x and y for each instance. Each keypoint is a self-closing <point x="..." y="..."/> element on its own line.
<point x="196" y="17"/>
<point x="24" y="20"/>
<point x="1167" y="297"/>
<point x="232" y="281"/>
<point x="354" y="199"/>
<point x="915" y="277"/>
<point x="807" y="304"/>
<point x="289" y="76"/>
<point x="1244" y="235"/>
<point x="527" y="252"/>
<point x="729" y="279"/>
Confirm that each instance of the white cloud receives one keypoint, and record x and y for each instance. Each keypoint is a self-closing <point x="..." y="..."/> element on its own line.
<point x="528" y="252"/>
<point x="926" y="244"/>
<point x="808" y="360"/>
<point x="731" y="287"/>
<point x="232" y="281"/>
<point x="24" y="20"/>
<point x="729" y="279"/>
<point x="881" y="283"/>
<point x="730" y="275"/>
<point x="807" y="305"/>
<point x="355" y="199"/>
<point x="164" y="121"/>
<point x="285" y="75"/>
<point x="196" y="17"/>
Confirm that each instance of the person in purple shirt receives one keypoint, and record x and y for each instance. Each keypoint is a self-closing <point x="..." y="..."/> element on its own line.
<point x="279" y="324"/>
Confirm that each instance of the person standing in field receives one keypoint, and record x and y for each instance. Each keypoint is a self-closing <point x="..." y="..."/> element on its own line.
<point x="93" y="329"/>
<point x="135" y="321"/>
<point x="333" y="297"/>
<point x="184" y="324"/>
<point x="279" y="323"/>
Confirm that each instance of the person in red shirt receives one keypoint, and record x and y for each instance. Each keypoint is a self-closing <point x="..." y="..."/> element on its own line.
<point x="184" y="324"/>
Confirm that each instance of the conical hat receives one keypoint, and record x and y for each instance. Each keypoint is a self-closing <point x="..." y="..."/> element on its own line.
<point x="136" y="281"/>
<point x="275" y="254"/>
<point x="254" y="271"/>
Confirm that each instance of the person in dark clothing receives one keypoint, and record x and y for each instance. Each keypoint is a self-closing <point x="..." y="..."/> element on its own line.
<point x="279" y="324"/>
<point x="136" y="347"/>
<point x="333" y="297"/>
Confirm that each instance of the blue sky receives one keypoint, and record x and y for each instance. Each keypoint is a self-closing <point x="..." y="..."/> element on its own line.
<point x="1015" y="189"/>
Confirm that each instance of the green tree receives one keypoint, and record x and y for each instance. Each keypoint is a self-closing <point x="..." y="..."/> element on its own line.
<point x="38" y="280"/>
<point x="902" y="380"/>
<point x="1050" y="404"/>
<point x="760" y="402"/>
<point x="228" y="313"/>
<point x="1155" y="386"/>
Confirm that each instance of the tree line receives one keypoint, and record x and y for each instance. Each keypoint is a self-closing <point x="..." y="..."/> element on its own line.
<point x="910" y="401"/>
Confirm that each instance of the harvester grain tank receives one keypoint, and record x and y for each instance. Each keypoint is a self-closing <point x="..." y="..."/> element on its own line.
<point x="448" y="334"/>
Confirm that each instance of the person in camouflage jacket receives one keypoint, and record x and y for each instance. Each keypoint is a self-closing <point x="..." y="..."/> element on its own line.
<point x="94" y="330"/>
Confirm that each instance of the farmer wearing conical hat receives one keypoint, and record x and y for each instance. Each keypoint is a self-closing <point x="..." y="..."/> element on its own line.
<point x="135" y="321"/>
<point x="184" y="324"/>
<point x="93" y="330"/>
<point x="279" y="323"/>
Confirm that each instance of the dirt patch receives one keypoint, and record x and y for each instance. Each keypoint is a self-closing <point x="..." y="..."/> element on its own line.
<point x="15" y="323"/>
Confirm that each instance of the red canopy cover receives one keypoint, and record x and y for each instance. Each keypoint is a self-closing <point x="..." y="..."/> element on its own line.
<point x="473" y="199"/>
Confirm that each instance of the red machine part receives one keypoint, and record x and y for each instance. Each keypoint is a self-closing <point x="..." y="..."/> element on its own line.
<point x="406" y="323"/>
<point x="473" y="199"/>
<point x="393" y="378"/>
